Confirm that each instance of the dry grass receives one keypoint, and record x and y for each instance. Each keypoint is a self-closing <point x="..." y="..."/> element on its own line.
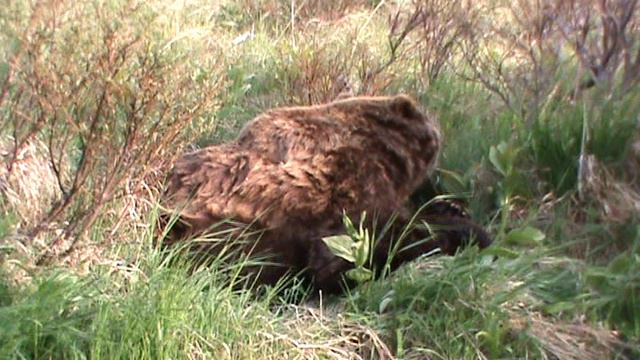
<point x="567" y="341"/>
<point x="617" y="200"/>
<point x="28" y="184"/>
<point x="110" y="103"/>
<point x="321" y="333"/>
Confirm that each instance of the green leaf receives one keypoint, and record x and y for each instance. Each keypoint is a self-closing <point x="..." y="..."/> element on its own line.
<point x="362" y="252"/>
<point x="362" y="217"/>
<point x="482" y="335"/>
<point x="4" y="70"/>
<point x="500" y="252"/>
<point x="341" y="246"/>
<point x="526" y="236"/>
<point x="494" y="158"/>
<point x="386" y="300"/>
<point x="598" y="280"/>
<point x="348" y="224"/>
<point x="359" y="274"/>
<point x="458" y="182"/>
<point x="560" y="307"/>
<point x="503" y="157"/>
<point x="621" y="264"/>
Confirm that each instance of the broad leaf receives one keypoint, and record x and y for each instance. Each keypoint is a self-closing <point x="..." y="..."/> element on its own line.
<point x="362" y="252"/>
<point x="526" y="236"/>
<point x="386" y="300"/>
<point x="359" y="275"/>
<point x="621" y="264"/>
<point x="503" y="157"/>
<point x="494" y="158"/>
<point x="342" y="246"/>
<point x="500" y="252"/>
<point x="560" y="307"/>
<point x="348" y="224"/>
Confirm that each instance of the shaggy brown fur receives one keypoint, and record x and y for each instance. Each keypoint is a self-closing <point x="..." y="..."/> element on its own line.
<point x="308" y="164"/>
<point x="293" y="172"/>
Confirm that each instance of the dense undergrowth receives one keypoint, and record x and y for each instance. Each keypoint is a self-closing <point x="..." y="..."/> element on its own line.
<point x="540" y="114"/>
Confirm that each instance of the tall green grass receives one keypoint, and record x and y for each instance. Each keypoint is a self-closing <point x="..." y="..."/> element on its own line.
<point x="147" y="310"/>
<point x="448" y="307"/>
<point x="473" y="305"/>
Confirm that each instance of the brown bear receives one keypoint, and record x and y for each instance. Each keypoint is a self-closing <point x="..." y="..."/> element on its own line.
<point x="293" y="172"/>
<point x="304" y="164"/>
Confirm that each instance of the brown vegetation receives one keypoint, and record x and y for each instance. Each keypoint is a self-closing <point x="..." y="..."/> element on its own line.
<point x="523" y="45"/>
<point x="106" y="119"/>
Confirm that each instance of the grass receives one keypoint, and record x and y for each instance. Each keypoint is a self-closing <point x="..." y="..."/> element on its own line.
<point x="467" y="306"/>
<point x="561" y="281"/>
<point x="152" y="310"/>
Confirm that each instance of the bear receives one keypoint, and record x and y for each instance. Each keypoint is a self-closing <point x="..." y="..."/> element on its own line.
<point x="388" y="134"/>
<point x="294" y="172"/>
<point x="309" y="164"/>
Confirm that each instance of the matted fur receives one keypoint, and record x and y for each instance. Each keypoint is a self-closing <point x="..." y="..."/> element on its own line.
<point x="307" y="165"/>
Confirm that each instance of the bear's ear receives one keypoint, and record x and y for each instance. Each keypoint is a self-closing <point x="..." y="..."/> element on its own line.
<point x="406" y="107"/>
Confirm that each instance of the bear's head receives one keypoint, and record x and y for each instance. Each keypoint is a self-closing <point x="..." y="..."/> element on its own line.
<point x="393" y="129"/>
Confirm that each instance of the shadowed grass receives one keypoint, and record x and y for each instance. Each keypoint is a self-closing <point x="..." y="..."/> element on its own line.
<point x="472" y="306"/>
<point x="151" y="311"/>
<point x="469" y="306"/>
